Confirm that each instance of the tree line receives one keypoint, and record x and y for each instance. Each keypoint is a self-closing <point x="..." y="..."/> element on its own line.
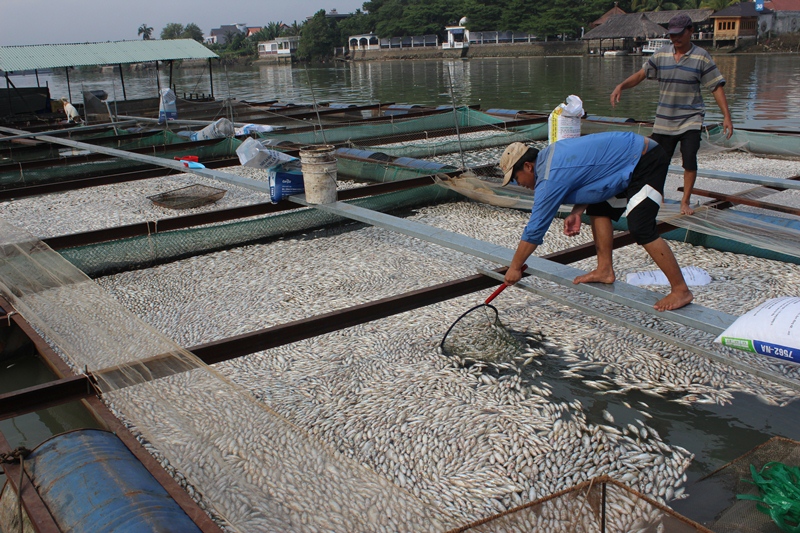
<point x="320" y="35"/>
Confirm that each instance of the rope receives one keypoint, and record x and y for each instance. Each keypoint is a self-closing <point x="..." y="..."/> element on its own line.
<point x="20" y="453"/>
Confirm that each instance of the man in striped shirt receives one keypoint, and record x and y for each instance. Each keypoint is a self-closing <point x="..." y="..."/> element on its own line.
<point x="681" y="68"/>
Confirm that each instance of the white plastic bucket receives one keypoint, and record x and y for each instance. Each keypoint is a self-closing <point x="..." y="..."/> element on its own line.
<point x="319" y="173"/>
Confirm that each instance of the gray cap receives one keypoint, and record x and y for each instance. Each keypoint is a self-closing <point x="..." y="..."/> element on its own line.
<point x="678" y="23"/>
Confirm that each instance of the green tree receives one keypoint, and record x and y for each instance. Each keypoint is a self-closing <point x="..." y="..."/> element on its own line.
<point x="654" y="5"/>
<point x="145" y="31"/>
<point x="173" y="30"/>
<point x="358" y="24"/>
<point x="192" y="31"/>
<point x="318" y="38"/>
<point x="483" y="15"/>
<point x="718" y="5"/>
<point x="387" y="17"/>
<point x="294" y="28"/>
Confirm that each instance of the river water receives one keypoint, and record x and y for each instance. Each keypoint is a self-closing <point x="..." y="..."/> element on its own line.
<point x="763" y="92"/>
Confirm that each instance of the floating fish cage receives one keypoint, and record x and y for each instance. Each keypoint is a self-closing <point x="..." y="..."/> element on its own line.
<point x="600" y="504"/>
<point x="188" y="197"/>
<point x="736" y="478"/>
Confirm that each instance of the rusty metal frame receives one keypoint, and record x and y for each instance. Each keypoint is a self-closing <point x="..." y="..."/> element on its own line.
<point x="99" y="410"/>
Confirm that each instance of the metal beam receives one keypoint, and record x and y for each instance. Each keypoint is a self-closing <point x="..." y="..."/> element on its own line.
<point x="746" y="201"/>
<point x="693" y="315"/>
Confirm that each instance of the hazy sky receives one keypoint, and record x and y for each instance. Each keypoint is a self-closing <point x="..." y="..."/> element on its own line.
<point x="80" y="21"/>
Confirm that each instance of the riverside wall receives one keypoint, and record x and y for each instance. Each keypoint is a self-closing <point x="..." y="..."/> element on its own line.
<point x="539" y="48"/>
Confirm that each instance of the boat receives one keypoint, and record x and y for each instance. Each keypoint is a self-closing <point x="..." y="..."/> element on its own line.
<point x="653" y="45"/>
<point x="616" y="53"/>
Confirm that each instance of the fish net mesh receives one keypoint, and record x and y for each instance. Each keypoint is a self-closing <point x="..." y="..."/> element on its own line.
<point x="743" y="516"/>
<point x="263" y="475"/>
<point x="599" y="505"/>
<point x="478" y="335"/>
<point x="76" y="166"/>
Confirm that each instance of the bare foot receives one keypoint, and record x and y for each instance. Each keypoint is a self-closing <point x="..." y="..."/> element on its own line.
<point x="686" y="210"/>
<point x="674" y="300"/>
<point x="596" y="276"/>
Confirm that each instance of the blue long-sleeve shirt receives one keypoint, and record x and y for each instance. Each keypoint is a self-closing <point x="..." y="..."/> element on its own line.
<point x="584" y="170"/>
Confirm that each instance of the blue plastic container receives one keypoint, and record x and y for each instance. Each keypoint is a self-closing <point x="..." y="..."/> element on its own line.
<point x="91" y="482"/>
<point x="284" y="183"/>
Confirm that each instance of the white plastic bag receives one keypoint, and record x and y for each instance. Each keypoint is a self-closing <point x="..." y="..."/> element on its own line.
<point x="253" y="154"/>
<point x="694" y="276"/>
<point x="565" y="120"/>
<point x="247" y="129"/>
<point x="772" y="328"/>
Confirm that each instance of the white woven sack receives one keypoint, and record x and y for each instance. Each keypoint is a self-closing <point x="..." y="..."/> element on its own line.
<point x="772" y="328"/>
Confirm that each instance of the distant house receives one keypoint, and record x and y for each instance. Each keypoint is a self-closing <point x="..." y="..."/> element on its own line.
<point x="737" y="22"/>
<point x="628" y="31"/>
<point x="457" y="37"/>
<point x="252" y="30"/>
<point x="220" y="35"/>
<point x="784" y="17"/>
<point x="367" y="41"/>
<point x="623" y="32"/>
<point x="702" y="24"/>
<point x="281" y="49"/>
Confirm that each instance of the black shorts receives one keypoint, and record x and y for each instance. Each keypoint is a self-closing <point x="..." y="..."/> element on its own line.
<point x="642" y="199"/>
<point x="690" y="144"/>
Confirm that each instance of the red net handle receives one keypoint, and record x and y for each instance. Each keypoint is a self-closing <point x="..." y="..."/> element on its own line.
<point x="500" y="289"/>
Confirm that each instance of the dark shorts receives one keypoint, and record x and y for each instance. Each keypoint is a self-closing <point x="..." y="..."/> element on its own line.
<point x="690" y="144"/>
<point x="642" y="198"/>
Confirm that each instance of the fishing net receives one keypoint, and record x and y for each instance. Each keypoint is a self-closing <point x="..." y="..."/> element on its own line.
<point x="743" y="507"/>
<point x="478" y="335"/>
<point x="259" y="471"/>
<point x="779" y="494"/>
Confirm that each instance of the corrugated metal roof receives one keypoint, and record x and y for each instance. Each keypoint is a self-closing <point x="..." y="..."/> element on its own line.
<point x="41" y="56"/>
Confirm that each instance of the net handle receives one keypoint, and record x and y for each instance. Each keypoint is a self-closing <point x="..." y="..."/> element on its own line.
<point x="501" y="288"/>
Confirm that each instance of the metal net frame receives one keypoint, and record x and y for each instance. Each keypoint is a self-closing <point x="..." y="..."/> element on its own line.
<point x="600" y="505"/>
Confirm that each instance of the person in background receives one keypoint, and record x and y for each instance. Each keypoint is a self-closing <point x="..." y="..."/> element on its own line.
<point x="70" y="111"/>
<point x="681" y="68"/>
<point x="604" y="174"/>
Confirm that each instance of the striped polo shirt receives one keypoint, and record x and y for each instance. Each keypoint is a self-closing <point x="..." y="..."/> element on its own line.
<point x="680" y="104"/>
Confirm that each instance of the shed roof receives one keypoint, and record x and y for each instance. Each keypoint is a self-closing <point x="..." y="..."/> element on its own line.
<point x="631" y="25"/>
<point x="41" y="56"/>
<point x="616" y="10"/>
<point x="697" y="15"/>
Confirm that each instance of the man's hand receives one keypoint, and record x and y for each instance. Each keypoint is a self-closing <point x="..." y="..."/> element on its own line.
<point x="727" y="127"/>
<point x="615" y="95"/>
<point x="513" y="275"/>
<point x="572" y="225"/>
<point x="686" y="209"/>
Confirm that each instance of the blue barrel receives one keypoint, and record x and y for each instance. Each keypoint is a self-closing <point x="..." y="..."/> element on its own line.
<point x="421" y="163"/>
<point x="90" y="481"/>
